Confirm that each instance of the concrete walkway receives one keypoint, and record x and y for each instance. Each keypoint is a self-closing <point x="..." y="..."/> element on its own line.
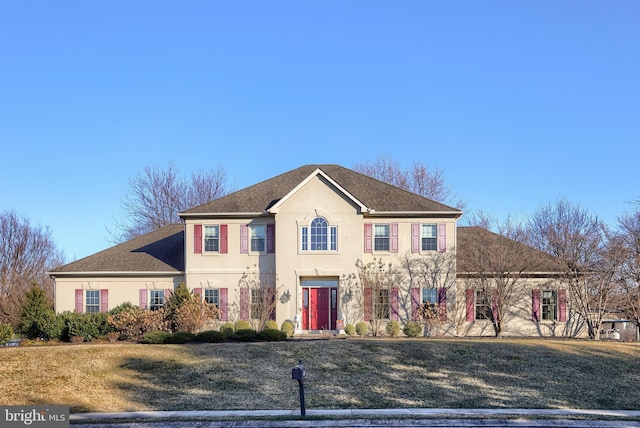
<point x="362" y="418"/>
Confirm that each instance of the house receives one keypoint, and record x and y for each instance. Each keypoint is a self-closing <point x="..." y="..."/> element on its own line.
<point x="309" y="235"/>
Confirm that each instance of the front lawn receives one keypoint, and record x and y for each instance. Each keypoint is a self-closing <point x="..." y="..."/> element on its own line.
<point x="347" y="373"/>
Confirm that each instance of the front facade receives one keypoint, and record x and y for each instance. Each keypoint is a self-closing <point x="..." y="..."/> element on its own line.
<point x="307" y="237"/>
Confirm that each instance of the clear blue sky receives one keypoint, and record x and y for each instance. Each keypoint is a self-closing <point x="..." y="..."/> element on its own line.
<point x="518" y="102"/>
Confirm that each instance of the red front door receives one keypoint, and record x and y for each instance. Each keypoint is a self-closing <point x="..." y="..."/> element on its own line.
<point x="319" y="308"/>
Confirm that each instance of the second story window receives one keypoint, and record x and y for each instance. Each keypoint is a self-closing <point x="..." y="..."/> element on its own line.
<point x="429" y="237"/>
<point x="319" y="236"/>
<point x="381" y="237"/>
<point x="211" y="238"/>
<point x="258" y="238"/>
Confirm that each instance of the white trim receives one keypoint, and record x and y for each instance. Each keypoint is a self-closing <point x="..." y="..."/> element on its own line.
<point x="117" y="273"/>
<point x="274" y="209"/>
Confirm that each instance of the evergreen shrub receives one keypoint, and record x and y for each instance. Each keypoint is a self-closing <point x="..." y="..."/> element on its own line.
<point x="350" y="329"/>
<point x="287" y="328"/>
<point x="393" y="328"/>
<point x="412" y="329"/>
<point x="362" y="328"/>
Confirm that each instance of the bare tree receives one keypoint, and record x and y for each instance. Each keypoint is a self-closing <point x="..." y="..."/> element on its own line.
<point x="436" y="272"/>
<point x="258" y="297"/>
<point x="628" y="245"/>
<point x="27" y="252"/>
<point x="578" y="239"/>
<point x="158" y="194"/>
<point x="418" y="178"/>
<point x="495" y="265"/>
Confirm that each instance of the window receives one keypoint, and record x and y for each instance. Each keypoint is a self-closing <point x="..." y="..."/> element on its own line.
<point x="211" y="238"/>
<point x="381" y="237"/>
<point x="212" y="296"/>
<point x="429" y="298"/>
<point x="319" y="236"/>
<point x="92" y="301"/>
<point x="258" y="238"/>
<point x="381" y="304"/>
<point x="157" y="299"/>
<point x="256" y="301"/>
<point x="549" y="305"/>
<point x="429" y="237"/>
<point x="483" y="305"/>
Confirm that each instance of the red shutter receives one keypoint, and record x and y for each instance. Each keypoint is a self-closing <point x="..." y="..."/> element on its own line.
<point x="244" y="304"/>
<point x="442" y="238"/>
<point x="394" y="304"/>
<point x="271" y="296"/>
<point x="415" y="238"/>
<point x="271" y="238"/>
<point x="197" y="238"/>
<point x="415" y="303"/>
<point x="471" y="304"/>
<point x="167" y="294"/>
<point x="535" y="305"/>
<point x="367" y="238"/>
<point x="104" y="300"/>
<point x="562" y="305"/>
<point x="197" y="292"/>
<point x="442" y="303"/>
<point x="494" y="305"/>
<point x="224" y="247"/>
<point x="244" y="239"/>
<point x="224" y="304"/>
<point x="143" y="298"/>
<point x="368" y="303"/>
<point x="79" y="300"/>
<point x="394" y="237"/>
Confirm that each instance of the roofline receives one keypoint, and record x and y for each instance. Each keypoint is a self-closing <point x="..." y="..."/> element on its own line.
<point x="522" y="274"/>
<point x="374" y="213"/>
<point x="214" y="215"/>
<point x="54" y="274"/>
<point x="274" y="209"/>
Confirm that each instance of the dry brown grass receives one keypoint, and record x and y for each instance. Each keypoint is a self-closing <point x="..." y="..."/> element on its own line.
<point x="353" y="373"/>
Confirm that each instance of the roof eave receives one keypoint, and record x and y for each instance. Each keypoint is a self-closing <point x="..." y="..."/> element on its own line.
<point x="223" y="215"/>
<point x="55" y="274"/>
<point x="375" y="213"/>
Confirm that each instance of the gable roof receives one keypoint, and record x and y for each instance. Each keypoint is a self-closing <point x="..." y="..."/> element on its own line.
<point x="536" y="261"/>
<point x="377" y="196"/>
<point x="160" y="251"/>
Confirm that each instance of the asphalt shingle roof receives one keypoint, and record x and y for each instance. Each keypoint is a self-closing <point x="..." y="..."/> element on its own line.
<point x="159" y="251"/>
<point x="374" y="194"/>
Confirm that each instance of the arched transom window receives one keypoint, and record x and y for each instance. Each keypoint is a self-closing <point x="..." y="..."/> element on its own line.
<point x="319" y="236"/>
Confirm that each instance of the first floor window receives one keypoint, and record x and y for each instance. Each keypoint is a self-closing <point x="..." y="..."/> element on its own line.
<point x="92" y="301"/>
<point x="256" y="303"/>
<point x="381" y="237"/>
<point x="381" y="304"/>
<point x="156" y="300"/>
<point x="212" y="296"/>
<point x="429" y="237"/>
<point x="211" y="239"/>
<point x="549" y="305"/>
<point x="483" y="305"/>
<point x="258" y="238"/>
<point x="429" y="300"/>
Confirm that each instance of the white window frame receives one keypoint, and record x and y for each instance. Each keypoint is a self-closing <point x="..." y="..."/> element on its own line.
<point x="306" y="237"/>
<point x="263" y="238"/>
<point x="157" y="302"/>
<point x="549" y="315"/>
<point x="212" y="296"/>
<point x="215" y="239"/>
<point x="382" y="238"/>
<point x="92" y="301"/>
<point x="424" y="235"/>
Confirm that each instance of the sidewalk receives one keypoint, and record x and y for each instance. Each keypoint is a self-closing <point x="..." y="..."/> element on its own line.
<point x="362" y="418"/>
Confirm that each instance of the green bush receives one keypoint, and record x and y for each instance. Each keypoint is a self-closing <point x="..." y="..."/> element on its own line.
<point x="37" y="318"/>
<point x="156" y="337"/>
<point x="287" y="328"/>
<point x="180" y="337"/>
<point x="412" y="329"/>
<point x="210" y="336"/>
<point x="393" y="328"/>
<point x="88" y="326"/>
<point x="271" y="325"/>
<point x="244" y="335"/>
<point x="270" y="335"/>
<point x="362" y="328"/>
<point x="350" y="329"/>
<point x="6" y="333"/>
<point x="227" y="329"/>
<point x="242" y="325"/>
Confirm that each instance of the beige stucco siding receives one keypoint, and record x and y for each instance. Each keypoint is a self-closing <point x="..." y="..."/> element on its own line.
<point x="121" y="289"/>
